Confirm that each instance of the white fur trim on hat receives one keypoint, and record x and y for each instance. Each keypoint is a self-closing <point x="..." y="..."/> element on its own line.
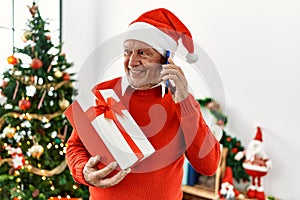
<point x="152" y="36"/>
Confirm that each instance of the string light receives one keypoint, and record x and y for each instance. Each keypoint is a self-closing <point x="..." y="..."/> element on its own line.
<point x="54" y="134"/>
<point x="45" y="120"/>
<point x="22" y="116"/>
<point x="49" y="146"/>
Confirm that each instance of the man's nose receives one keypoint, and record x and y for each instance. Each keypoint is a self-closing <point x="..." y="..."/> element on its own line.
<point x="134" y="59"/>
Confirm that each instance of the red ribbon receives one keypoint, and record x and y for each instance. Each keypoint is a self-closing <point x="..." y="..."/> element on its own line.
<point x="110" y="108"/>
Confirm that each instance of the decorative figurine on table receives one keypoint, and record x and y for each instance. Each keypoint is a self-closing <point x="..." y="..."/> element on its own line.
<point x="256" y="165"/>
<point x="227" y="190"/>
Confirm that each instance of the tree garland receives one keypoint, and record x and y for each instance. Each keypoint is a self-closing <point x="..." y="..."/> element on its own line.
<point x="47" y="86"/>
<point x="48" y="173"/>
<point x="41" y="172"/>
<point x="28" y="116"/>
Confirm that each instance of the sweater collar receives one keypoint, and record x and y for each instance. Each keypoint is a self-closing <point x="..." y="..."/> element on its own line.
<point x="125" y="84"/>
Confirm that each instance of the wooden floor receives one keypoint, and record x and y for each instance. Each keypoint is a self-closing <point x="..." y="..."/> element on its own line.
<point x="197" y="193"/>
<point x="191" y="197"/>
<point x="201" y="193"/>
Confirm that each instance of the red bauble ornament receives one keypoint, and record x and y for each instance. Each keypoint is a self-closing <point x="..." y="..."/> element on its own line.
<point x="12" y="60"/>
<point x="228" y="139"/>
<point x="220" y="122"/>
<point x="36" y="63"/>
<point x="24" y="104"/>
<point x="35" y="193"/>
<point x="66" y="76"/>
<point x="32" y="79"/>
<point x="4" y="84"/>
<point x="234" y="150"/>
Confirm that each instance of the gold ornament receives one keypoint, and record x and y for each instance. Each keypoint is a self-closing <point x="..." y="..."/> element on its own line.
<point x="36" y="151"/>
<point x="58" y="74"/>
<point x="63" y="103"/>
<point x="213" y="106"/>
<point x="9" y="132"/>
<point x="26" y="36"/>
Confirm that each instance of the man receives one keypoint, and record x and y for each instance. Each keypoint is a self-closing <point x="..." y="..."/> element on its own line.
<point x="171" y="121"/>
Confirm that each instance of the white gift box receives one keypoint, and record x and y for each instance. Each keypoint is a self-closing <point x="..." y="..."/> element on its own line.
<point x="117" y="139"/>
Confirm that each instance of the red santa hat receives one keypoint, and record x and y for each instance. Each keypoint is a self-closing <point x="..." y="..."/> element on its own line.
<point x="162" y="30"/>
<point x="258" y="135"/>
<point x="228" y="176"/>
<point x="227" y="188"/>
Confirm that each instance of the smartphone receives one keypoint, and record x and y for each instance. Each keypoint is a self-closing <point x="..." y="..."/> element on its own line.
<point x="167" y="62"/>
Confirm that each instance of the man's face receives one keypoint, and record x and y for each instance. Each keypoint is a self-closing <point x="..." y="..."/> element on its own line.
<point x="142" y="64"/>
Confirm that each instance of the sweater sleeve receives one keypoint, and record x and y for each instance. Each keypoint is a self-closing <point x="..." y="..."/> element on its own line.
<point x="202" y="148"/>
<point x="77" y="156"/>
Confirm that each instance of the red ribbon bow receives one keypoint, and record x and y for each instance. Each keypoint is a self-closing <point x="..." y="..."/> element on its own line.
<point x="110" y="108"/>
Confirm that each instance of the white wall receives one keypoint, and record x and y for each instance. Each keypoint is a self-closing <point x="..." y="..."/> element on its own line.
<point x="253" y="45"/>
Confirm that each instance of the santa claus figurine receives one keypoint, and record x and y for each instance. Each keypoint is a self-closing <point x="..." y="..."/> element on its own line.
<point x="256" y="165"/>
<point x="18" y="158"/>
<point x="227" y="190"/>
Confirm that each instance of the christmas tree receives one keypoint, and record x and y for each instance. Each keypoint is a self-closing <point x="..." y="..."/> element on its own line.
<point x="33" y="129"/>
<point x="232" y="143"/>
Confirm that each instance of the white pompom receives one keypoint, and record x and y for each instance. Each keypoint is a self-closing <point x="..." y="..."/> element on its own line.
<point x="191" y="57"/>
<point x="223" y="191"/>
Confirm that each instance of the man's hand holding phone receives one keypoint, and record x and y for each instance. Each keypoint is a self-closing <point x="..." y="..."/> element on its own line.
<point x="175" y="80"/>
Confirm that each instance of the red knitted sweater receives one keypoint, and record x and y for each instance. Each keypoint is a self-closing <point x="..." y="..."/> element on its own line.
<point x="175" y="131"/>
